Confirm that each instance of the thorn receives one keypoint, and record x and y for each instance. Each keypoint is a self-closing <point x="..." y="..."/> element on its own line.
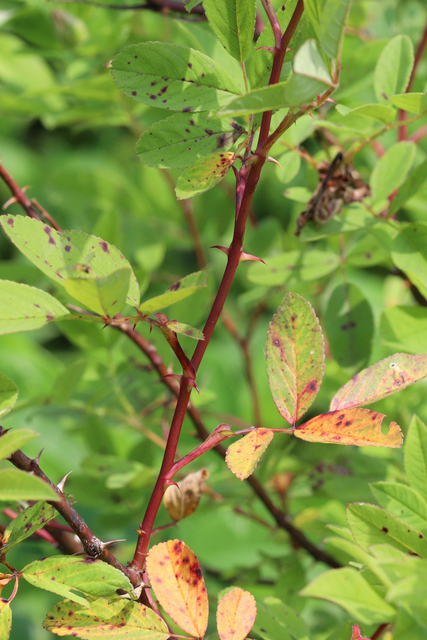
<point x="270" y="159"/>
<point x="247" y="256"/>
<point x="61" y="484"/>
<point x="7" y="204"/>
<point x="331" y="100"/>
<point x="37" y="458"/>
<point x="171" y="483"/>
<point x="271" y="50"/>
<point x="111" y="542"/>
<point x="191" y="384"/>
<point x="223" y="249"/>
<point x="177" y="376"/>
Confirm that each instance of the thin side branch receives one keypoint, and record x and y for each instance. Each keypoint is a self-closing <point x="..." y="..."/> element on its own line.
<point x="92" y="546"/>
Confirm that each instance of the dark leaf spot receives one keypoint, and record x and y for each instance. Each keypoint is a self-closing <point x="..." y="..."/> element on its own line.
<point x="384" y="529"/>
<point x="104" y="246"/>
<point x="67" y="248"/>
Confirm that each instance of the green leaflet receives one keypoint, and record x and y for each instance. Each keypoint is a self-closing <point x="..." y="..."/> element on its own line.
<point x="175" y="293"/>
<point x="405" y="328"/>
<point x="24" y="308"/>
<point x="18" y="485"/>
<point x="203" y="174"/>
<point x="14" y="440"/>
<point x="333" y="16"/>
<point x="349" y="324"/>
<point x="112" y="620"/>
<point x="179" y="140"/>
<point x="292" y="266"/>
<point x="416" y="456"/>
<point x="233" y="21"/>
<point x="349" y="589"/>
<point x="393" y="68"/>
<point x="379" y="112"/>
<point x="64" y="574"/>
<point x="391" y="170"/>
<point x="105" y="296"/>
<point x="409" y="253"/>
<point x="371" y="525"/>
<point x="8" y="394"/>
<point x="412" y="102"/>
<point x="402" y="501"/>
<point x="26" y="523"/>
<point x="170" y="76"/>
<point x="277" y="621"/>
<point x="311" y="77"/>
<point x="414" y="183"/>
<point x="68" y="254"/>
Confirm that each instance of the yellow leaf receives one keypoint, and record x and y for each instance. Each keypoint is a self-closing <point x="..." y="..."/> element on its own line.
<point x="361" y="427"/>
<point x="235" y="615"/>
<point x="178" y="584"/>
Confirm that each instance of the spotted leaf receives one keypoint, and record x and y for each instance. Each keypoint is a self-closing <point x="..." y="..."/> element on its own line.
<point x="235" y="615"/>
<point x="242" y="456"/>
<point x="295" y="357"/>
<point x="203" y="174"/>
<point x="361" y="427"/>
<point x="178" y="584"/>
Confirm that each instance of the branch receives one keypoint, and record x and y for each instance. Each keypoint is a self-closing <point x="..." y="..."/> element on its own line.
<point x="418" y="57"/>
<point x="93" y="547"/>
<point x="19" y="196"/>
<point x="280" y="517"/>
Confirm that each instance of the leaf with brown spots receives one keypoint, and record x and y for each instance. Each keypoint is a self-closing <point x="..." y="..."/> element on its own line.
<point x="381" y="380"/>
<point x="203" y="174"/>
<point x="235" y="615"/>
<point x="25" y="308"/>
<point x="295" y="357"/>
<point x="361" y="427"/>
<point x="179" y="140"/>
<point x="67" y="254"/>
<point x="178" y="584"/>
<point x="64" y="574"/>
<point x="175" y="293"/>
<point x="105" y="295"/>
<point x="243" y="456"/>
<point x="105" y="619"/>
<point x="170" y="76"/>
<point x="26" y="523"/>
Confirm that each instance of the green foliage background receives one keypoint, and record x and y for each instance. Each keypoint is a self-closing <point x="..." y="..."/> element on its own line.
<point x="66" y="130"/>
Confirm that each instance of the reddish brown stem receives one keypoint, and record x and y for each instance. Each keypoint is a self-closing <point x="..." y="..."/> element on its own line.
<point x="381" y="631"/>
<point x="19" y="194"/>
<point x="418" y="57"/>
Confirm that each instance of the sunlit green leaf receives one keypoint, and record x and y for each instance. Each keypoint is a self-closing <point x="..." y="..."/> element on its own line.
<point x="8" y="394"/>
<point x="170" y="76"/>
<point x="25" y="308"/>
<point x="391" y="170"/>
<point x="393" y="68"/>
<point x="233" y="21"/>
<point x="18" y="485"/>
<point x="105" y="295"/>
<point x="27" y="522"/>
<point x="14" y="440"/>
<point x="204" y="174"/>
<point x="175" y="293"/>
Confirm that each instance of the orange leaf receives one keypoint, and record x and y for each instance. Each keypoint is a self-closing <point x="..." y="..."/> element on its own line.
<point x="235" y="615"/>
<point x="242" y="456"/>
<point x="361" y="427"/>
<point x="177" y="581"/>
<point x="381" y="380"/>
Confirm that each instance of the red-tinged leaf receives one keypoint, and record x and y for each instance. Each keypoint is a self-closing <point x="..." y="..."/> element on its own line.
<point x="105" y="619"/>
<point x="295" y="357"/>
<point x="361" y="427"/>
<point x="357" y="633"/>
<point x="235" y="615"/>
<point x="381" y="380"/>
<point x="178" y="584"/>
<point x="242" y="456"/>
